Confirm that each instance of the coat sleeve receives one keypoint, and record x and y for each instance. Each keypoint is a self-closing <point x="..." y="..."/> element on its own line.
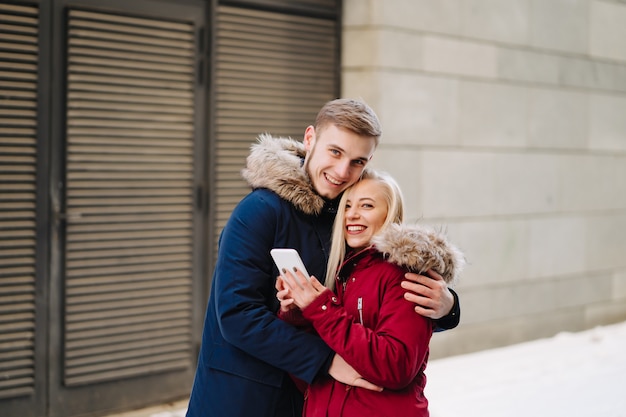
<point x="295" y="318"/>
<point x="245" y="296"/>
<point x="392" y="353"/>
<point x="453" y="318"/>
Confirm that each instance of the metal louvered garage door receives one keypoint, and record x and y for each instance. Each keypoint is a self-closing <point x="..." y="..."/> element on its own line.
<point x="102" y="156"/>
<point x="274" y="71"/>
<point x="130" y="152"/>
<point x="18" y="127"/>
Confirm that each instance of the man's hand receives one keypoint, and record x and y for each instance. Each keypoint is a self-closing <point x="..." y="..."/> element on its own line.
<point x="430" y="293"/>
<point x="341" y="371"/>
<point x="282" y="294"/>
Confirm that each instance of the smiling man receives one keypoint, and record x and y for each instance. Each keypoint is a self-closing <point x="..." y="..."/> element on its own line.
<point x="247" y="353"/>
<point x="335" y="158"/>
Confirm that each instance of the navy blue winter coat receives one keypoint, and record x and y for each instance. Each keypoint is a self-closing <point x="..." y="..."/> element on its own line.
<point x="247" y="353"/>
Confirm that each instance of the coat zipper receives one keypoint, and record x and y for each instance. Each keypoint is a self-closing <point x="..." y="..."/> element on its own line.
<point x="359" y="306"/>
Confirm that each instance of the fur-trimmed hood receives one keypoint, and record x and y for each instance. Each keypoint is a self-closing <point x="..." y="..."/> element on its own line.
<point x="419" y="248"/>
<point x="276" y="163"/>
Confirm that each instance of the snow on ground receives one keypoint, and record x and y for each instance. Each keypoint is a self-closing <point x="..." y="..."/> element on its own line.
<point x="175" y="413"/>
<point x="571" y="374"/>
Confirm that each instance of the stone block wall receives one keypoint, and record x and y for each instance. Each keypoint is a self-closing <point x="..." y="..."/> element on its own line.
<point x="505" y="123"/>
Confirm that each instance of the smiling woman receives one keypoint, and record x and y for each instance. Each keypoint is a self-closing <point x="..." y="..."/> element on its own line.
<point x="361" y="313"/>
<point x="365" y="212"/>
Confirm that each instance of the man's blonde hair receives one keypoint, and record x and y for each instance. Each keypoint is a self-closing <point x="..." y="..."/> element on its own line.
<point x="351" y="114"/>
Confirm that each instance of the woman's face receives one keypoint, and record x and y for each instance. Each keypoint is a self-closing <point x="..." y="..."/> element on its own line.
<point x="366" y="211"/>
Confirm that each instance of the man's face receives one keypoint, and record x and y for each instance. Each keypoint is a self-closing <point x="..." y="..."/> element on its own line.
<point x="335" y="158"/>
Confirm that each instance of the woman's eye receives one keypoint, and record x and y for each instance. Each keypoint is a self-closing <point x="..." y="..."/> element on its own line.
<point x="334" y="151"/>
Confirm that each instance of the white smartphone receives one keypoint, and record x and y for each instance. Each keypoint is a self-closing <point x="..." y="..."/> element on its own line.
<point x="288" y="259"/>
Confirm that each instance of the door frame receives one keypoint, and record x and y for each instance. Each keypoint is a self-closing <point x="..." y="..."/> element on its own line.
<point x="136" y="391"/>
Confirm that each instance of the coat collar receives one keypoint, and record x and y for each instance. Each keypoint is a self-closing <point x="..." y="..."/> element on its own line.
<point x="276" y="163"/>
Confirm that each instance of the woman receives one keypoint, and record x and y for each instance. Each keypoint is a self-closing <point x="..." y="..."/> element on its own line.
<point x="361" y="313"/>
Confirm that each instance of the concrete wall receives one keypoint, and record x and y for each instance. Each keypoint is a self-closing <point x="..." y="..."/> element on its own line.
<point x="505" y="122"/>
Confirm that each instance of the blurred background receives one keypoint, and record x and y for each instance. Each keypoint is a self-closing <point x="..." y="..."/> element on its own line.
<point x="124" y="126"/>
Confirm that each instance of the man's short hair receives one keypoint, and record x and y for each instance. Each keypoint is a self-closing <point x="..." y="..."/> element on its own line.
<point x="354" y="115"/>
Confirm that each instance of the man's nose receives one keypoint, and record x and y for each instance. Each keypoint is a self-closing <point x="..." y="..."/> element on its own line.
<point x="343" y="169"/>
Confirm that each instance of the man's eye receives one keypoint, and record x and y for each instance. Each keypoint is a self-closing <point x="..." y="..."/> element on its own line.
<point x="334" y="152"/>
<point x="358" y="162"/>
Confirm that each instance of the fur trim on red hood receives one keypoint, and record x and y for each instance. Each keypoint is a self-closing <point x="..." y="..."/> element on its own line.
<point x="419" y="248"/>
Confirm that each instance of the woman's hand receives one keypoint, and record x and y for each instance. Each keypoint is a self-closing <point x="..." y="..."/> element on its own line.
<point x="299" y="289"/>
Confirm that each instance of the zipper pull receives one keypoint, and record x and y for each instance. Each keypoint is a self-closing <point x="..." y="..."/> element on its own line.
<point x="359" y="306"/>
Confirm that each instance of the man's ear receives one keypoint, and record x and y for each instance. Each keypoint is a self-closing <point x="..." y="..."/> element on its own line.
<point x="309" y="138"/>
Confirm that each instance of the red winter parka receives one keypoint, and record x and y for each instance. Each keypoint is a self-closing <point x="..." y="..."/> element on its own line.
<point x="368" y="322"/>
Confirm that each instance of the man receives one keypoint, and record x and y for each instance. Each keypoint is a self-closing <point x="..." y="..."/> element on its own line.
<point x="247" y="353"/>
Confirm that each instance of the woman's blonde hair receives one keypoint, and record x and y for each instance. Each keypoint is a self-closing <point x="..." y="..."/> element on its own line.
<point x="395" y="214"/>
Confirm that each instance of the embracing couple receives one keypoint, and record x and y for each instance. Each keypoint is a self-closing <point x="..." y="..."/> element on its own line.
<point x="270" y="343"/>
